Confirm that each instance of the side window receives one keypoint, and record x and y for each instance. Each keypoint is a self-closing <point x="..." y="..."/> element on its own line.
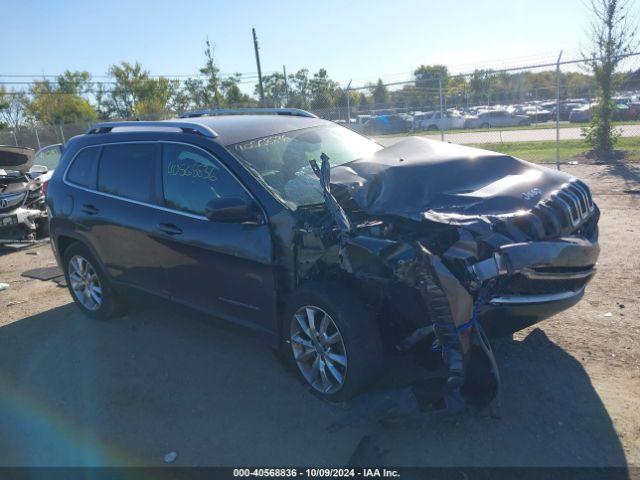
<point x="128" y="170"/>
<point x="191" y="179"/>
<point x="84" y="168"/>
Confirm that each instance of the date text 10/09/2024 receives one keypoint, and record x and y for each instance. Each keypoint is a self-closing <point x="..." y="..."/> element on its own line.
<point x="316" y="472"/>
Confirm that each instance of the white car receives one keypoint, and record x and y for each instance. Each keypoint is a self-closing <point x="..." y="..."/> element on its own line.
<point x="434" y="121"/>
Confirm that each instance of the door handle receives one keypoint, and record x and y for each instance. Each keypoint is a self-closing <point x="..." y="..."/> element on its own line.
<point x="90" y="209"/>
<point x="169" y="229"/>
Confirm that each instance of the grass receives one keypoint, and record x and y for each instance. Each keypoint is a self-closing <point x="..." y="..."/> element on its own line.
<point x="545" y="151"/>
<point x="533" y="126"/>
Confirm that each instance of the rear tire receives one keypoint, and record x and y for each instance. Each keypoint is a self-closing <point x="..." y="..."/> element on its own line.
<point x="89" y="286"/>
<point x="346" y="354"/>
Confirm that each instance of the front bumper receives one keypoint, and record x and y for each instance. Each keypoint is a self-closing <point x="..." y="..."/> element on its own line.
<point x="19" y="225"/>
<point x="535" y="280"/>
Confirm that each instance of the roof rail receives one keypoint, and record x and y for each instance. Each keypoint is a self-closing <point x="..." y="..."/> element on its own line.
<point x="248" y="111"/>
<point x="186" y="127"/>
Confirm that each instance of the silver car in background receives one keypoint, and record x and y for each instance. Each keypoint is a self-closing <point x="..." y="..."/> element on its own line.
<point x="496" y="118"/>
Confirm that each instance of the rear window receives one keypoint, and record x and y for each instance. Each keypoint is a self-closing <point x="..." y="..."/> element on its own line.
<point x="127" y="170"/>
<point x="84" y="169"/>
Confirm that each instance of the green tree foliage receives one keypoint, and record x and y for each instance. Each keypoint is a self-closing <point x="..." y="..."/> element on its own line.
<point x="61" y="101"/>
<point x="380" y="94"/>
<point x="13" y="113"/>
<point x="299" y="89"/>
<point x="427" y="81"/>
<point x="136" y="94"/>
<point x="323" y="90"/>
<point x="275" y="90"/>
<point x="211" y="90"/>
<point x="233" y="96"/>
<point x="613" y="36"/>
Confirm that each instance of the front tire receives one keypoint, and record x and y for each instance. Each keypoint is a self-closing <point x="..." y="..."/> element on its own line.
<point x="333" y="340"/>
<point x="87" y="283"/>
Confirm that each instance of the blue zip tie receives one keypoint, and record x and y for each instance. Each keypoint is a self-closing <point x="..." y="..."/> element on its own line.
<point x="476" y="309"/>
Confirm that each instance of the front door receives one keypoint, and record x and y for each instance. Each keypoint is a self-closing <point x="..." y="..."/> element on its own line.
<point x="223" y="268"/>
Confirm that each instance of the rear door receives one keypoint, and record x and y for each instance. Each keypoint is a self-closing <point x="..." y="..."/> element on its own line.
<point x="118" y="213"/>
<point x="222" y="268"/>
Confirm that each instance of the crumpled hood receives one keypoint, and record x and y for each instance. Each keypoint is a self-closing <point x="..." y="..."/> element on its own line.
<point x="16" y="158"/>
<point x="419" y="178"/>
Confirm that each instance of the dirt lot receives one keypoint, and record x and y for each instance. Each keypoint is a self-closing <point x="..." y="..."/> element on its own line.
<point x="126" y="392"/>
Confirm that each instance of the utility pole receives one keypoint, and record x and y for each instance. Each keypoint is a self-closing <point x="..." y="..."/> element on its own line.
<point x="558" y="111"/>
<point x="255" y="46"/>
<point x="286" y="85"/>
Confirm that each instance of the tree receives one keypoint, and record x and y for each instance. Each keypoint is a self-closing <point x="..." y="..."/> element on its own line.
<point x="380" y="94"/>
<point x="211" y="87"/>
<point x="211" y="91"/>
<point x="480" y="85"/>
<point x="275" y="94"/>
<point x="233" y="96"/>
<point x="12" y="108"/>
<point x="613" y="37"/>
<point x="363" y="102"/>
<point x="60" y="102"/>
<point x="427" y="80"/>
<point x="136" y="94"/>
<point x="323" y="90"/>
<point x="299" y="89"/>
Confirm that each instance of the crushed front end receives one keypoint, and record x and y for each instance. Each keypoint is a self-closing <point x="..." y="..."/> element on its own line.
<point x="446" y="239"/>
<point x="22" y="205"/>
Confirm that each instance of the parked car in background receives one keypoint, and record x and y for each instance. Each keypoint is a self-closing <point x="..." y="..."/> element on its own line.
<point x="496" y="118"/>
<point x="581" y="114"/>
<point x="537" y="114"/>
<point x="23" y="187"/>
<point x="434" y="121"/>
<point x="565" y="110"/>
<point x="630" y="111"/>
<point x="384" y="124"/>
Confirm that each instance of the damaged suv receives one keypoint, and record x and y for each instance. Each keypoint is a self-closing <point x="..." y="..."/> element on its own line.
<point x="339" y="250"/>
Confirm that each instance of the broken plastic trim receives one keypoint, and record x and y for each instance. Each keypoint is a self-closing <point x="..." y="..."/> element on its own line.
<point x="336" y="211"/>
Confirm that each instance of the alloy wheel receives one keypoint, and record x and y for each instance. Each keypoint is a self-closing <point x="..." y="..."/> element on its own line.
<point x="318" y="349"/>
<point x="85" y="283"/>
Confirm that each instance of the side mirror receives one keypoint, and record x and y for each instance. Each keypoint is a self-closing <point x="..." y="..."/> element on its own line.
<point x="232" y="210"/>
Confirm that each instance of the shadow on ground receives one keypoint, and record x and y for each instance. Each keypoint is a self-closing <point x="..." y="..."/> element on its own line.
<point x="126" y="392"/>
<point x="630" y="172"/>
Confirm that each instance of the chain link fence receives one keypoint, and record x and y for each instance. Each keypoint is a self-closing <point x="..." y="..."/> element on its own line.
<point x="537" y="113"/>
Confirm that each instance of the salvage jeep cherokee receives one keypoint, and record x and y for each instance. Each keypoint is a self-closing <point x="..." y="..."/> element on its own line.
<point x="336" y="248"/>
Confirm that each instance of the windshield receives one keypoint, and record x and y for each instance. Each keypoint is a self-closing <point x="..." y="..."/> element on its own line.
<point x="282" y="160"/>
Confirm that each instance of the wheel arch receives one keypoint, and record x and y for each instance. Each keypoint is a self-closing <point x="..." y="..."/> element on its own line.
<point x="63" y="240"/>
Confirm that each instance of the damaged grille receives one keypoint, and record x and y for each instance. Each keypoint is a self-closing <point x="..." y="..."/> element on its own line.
<point x="568" y="210"/>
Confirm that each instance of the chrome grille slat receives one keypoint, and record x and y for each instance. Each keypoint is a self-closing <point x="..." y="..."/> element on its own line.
<point x="562" y="212"/>
<point x="582" y="199"/>
<point x="575" y="220"/>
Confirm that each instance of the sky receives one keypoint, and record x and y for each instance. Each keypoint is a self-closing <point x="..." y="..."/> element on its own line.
<point x="352" y="39"/>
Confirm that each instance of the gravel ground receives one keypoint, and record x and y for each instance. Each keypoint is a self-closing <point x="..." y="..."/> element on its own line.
<point x="126" y="392"/>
